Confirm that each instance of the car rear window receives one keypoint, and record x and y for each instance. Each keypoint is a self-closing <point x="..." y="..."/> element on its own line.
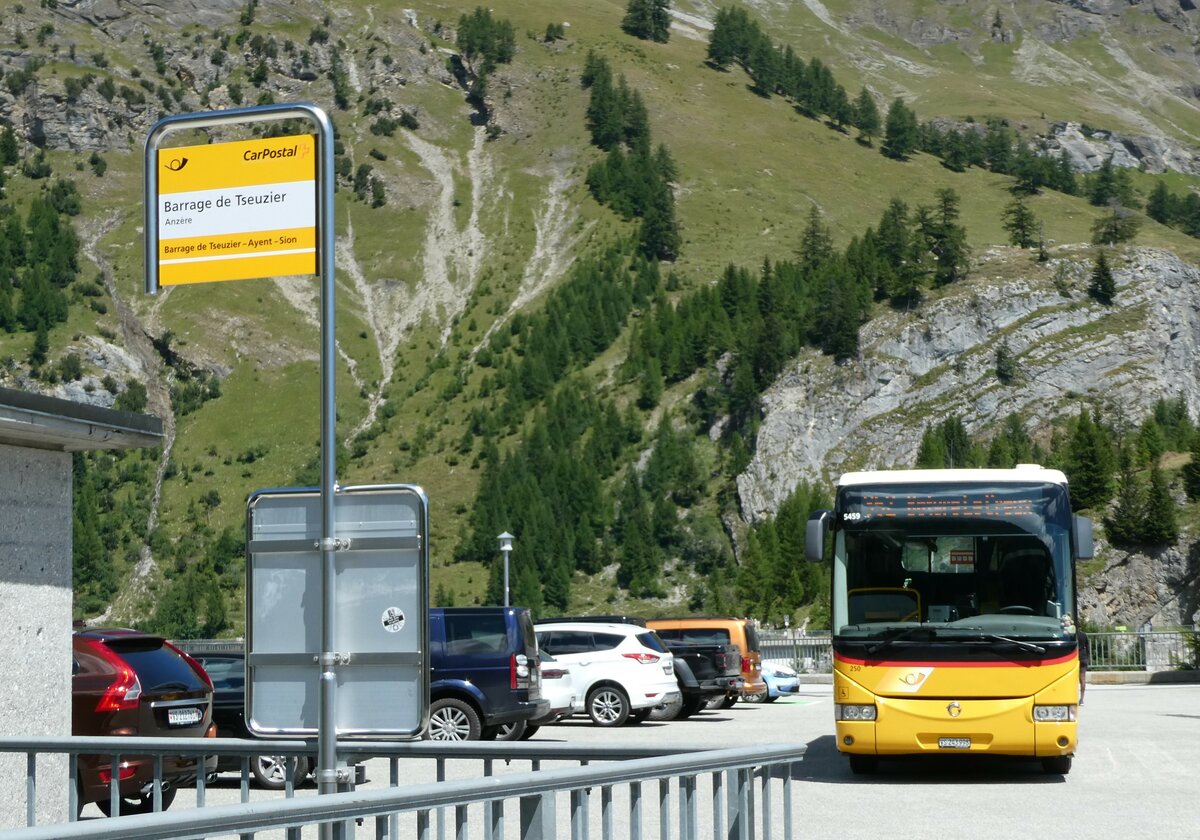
<point x="697" y="635"/>
<point x="476" y="634"/>
<point x="652" y="641"/>
<point x="752" y="638"/>
<point x="157" y="666"/>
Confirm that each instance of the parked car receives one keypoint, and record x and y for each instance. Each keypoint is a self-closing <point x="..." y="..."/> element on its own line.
<point x="559" y="691"/>
<point x="702" y="670"/>
<point x="227" y="669"/>
<point x="781" y="680"/>
<point x="620" y="671"/>
<point x="740" y="632"/>
<point x="124" y="682"/>
<point x="483" y="673"/>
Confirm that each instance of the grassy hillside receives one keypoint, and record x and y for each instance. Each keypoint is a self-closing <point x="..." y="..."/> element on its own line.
<point x="475" y="232"/>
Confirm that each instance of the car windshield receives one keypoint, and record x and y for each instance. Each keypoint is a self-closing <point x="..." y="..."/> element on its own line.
<point x="954" y="560"/>
<point x="225" y="673"/>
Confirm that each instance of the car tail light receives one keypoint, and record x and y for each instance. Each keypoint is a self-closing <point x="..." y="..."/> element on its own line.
<point x="554" y="673"/>
<point x="124" y="771"/>
<point x="642" y="658"/>
<point x="746" y="665"/>
<point x="211" y="732"/>
<point x="125" y="692"/>
<point x="196" y="666"/>
<point x="519" y="675"/>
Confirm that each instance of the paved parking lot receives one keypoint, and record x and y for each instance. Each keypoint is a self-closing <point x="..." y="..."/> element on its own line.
<point x="1134" y="775"/>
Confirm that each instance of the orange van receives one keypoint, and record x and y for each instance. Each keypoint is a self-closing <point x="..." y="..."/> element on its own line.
<point x="736" y="631"/>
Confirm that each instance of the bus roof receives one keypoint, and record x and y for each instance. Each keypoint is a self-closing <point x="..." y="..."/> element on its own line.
<point x="1022" y="473"/>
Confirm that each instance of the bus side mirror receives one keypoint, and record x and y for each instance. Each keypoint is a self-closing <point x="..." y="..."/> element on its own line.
<point x="814" y="536"/>
<point x="1081" y="528"/>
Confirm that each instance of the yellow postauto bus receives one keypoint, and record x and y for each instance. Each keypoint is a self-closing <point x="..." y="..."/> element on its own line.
<point x="954" y="625"/>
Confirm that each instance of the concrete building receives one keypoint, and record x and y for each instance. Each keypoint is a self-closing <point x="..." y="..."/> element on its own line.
<point x="37" y="436"/>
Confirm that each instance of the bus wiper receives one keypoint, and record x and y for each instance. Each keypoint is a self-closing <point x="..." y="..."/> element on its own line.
<point x="1027" y="646"/>
<point x="900" y="633"/>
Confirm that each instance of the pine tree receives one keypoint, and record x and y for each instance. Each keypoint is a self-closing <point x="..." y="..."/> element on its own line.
<point x="866" y="117"/>
<point x="1160" y="524"/>
<point x="10" y="154"/>
<point x="1160" y="205"/>
<point x="1102" y="287"/>
<point x="1020" y="223"/>
<point x="1124" y="524"/>
<point x="1006" y="364"/>
<point x="649" y="20"/>
<point x="816" y="244"/>
<point x="1089" y="463"/>
<point x="1191" y="470"/>
<point x="1118" y="225"/>
<point x="901" y="133"/>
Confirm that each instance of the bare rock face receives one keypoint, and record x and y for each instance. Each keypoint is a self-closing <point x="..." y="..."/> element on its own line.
<point x="1088" y="150"/>
<point x="1135" y="588"/>
<point x="916" y="369"/>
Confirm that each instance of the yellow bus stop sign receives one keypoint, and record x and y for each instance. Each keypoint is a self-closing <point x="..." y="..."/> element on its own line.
<point x="236" y="211"/>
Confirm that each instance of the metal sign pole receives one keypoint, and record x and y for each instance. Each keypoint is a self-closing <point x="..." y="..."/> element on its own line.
<point x="327" y="774"/>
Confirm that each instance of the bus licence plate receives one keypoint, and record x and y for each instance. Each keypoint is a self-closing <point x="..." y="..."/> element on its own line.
<point x="954" y="743"/>
<point x="184" y="717"/>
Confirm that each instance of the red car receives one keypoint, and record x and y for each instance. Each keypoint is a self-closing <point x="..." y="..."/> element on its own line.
<point x="129" y="683"/>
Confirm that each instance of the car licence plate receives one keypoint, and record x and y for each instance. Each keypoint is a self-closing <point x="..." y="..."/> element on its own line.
<point x="184" y="717"/>
<point x="954" y="743"/>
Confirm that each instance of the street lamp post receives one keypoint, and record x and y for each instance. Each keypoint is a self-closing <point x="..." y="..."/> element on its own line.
<point x="506" y="541"/>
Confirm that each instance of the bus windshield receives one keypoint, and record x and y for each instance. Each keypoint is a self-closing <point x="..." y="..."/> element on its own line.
<point x="972" y="558"/>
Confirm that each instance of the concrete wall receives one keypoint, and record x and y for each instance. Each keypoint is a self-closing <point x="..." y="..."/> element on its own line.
<point x="35" y="600"/>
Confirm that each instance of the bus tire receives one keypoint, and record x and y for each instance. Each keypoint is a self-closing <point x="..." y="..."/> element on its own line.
<point x="863" y="765"/>
<point x="1059" y="765"/>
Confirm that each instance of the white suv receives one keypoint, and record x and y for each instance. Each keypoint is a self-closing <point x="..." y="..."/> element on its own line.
<point x="621" y="671"/>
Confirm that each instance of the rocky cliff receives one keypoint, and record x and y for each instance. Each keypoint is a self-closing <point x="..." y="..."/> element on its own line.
<point x="917" y="368"/>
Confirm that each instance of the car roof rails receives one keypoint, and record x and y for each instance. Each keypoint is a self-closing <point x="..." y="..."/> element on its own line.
<point x="594" y="619"/>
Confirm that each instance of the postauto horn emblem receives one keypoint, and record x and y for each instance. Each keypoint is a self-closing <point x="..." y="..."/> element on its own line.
<point x="954" y="710"/>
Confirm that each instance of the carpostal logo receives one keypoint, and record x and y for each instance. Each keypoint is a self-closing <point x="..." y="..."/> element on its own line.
<point x="272" y="154"/>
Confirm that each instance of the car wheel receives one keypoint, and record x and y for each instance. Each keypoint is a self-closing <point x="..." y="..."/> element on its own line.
<point x="270" y="771"/>
<point x="691" y="706"/>
<point x="607" y="706"/>
<point x="769" y="699"/>
<point x="667" y="711"/>
<point x="511" y="731"/>
<point x="728" y="700"/>
<point x="760" y="697"/>
<point x="453" y="720"/>
<point x="530" y="731"/>
<point x="137" y="804"/>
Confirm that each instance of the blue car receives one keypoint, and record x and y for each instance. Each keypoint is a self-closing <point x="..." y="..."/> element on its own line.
<point x="781" y="680"/>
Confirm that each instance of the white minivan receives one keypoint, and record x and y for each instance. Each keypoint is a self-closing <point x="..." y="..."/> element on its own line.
<point x="620" y="671"/>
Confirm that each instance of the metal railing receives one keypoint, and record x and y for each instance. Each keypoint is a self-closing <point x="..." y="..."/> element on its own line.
<point x="750" y="792"/>
<point x="1143" y="650"/>
<point x="807" y="654"/>
<point x="1140" y="650"/>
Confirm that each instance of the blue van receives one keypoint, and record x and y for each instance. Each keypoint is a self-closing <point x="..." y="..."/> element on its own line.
<point x="484" y="673"/>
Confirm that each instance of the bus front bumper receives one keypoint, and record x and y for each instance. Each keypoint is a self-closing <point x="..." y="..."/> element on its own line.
<point x="972" y="726"/>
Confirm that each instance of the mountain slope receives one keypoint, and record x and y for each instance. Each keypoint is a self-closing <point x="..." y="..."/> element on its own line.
<point x="486" y="212"/>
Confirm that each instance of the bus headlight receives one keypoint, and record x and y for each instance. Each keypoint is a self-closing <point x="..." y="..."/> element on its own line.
<point x="853" y="711"/>
<point x="1058" y="714"/>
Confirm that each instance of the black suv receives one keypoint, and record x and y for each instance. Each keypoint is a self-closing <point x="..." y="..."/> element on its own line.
<point x="227" y="669"/>
<point x="484" y="673"/>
